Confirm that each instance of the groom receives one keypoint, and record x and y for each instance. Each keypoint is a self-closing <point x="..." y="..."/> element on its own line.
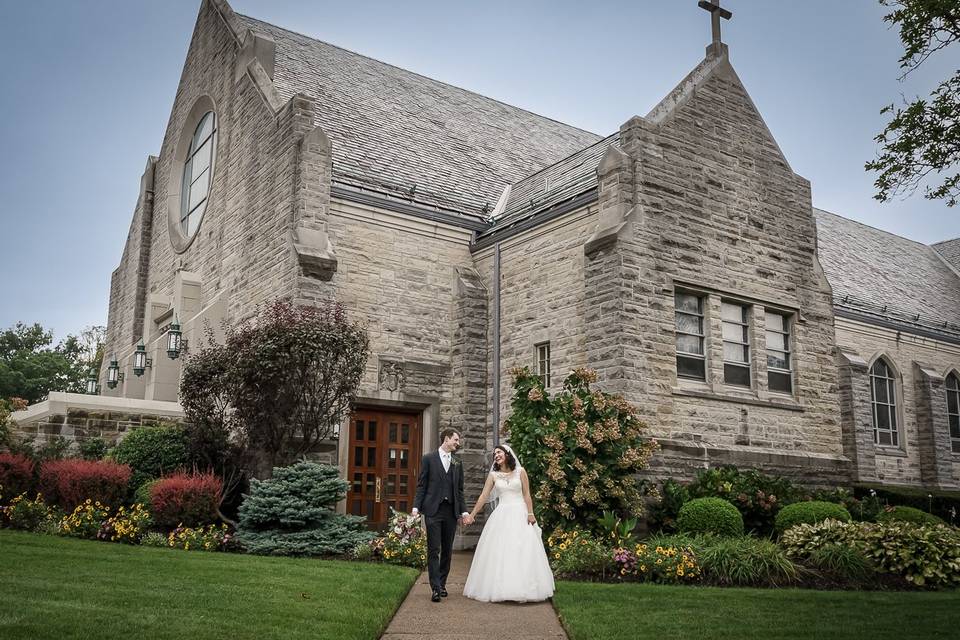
<point x="440" y="498"/>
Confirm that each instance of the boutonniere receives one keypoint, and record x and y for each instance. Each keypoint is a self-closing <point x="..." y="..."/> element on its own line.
<point x="455" y="461"/>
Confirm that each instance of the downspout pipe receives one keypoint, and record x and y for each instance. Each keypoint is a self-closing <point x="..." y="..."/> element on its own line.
<point x="496" y="345"/>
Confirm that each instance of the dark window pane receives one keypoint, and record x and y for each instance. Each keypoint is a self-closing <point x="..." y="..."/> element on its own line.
<point x="953" y="402"/>
<point x="356" y="508"/>
<point x="691" y="368"/>
<point x="740" y="376"/>
<point x="391" y="485"/>
<point x="392" y="460"/>
<point x="371" y="456"/>
<point x="359" y="429"/>
<point x="779" y="382"/>
<point x="883" y="416"/>
<point x="404" y="485"/>
<point x="883" y="437"/>
<point x="404" y="433"/>
<point x="404" y="460"/>
<point x="371" y="482"/>
<point x="369" y="511"/>
<point x="880" y="390"/>
<point x="955" y="426"/>
<point x="372" y="430"/>
<point x="358" y="457"/>
<point x="357" y="482"/>
<point x="393" y="432"/>
<point x="403" y="505"/>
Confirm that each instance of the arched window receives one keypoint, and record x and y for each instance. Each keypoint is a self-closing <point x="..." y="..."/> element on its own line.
<point x="953" y="410"/>
<point x="197" y="170"/>
<point x="883" y="393"/>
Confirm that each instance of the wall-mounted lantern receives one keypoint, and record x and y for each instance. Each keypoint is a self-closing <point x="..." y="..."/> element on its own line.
<point x="140" y="359"/>
<point x="175" y="342"/>
<point x="92" y="386"/>
<point x="113" y="373"/>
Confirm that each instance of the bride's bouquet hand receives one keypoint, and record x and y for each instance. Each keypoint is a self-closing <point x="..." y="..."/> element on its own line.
<point x="531" y="519"/>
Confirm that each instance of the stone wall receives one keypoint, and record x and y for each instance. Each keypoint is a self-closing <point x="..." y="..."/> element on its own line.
<point x="924" y="457"/>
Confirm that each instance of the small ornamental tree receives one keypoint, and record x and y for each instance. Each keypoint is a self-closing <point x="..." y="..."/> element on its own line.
<point x="581" y="450"/>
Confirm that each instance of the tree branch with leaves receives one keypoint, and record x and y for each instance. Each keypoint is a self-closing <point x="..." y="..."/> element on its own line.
<point x="920" y="147"/>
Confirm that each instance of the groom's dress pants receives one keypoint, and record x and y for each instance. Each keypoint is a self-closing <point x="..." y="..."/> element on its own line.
<point x="441" y="530"/>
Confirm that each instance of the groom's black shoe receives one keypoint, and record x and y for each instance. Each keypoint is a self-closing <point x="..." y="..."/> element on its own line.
<point x="443" y="592"/>
<point x="435" y="597"/>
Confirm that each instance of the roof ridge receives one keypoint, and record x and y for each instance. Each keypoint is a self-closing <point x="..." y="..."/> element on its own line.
<point x="947" y="241"/>
<point x="870" y="226"/>
<point x="564" y="159"/>
<point x="388" y="64"/>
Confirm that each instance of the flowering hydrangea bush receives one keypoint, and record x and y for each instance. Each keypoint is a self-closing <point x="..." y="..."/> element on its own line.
<point x="210" y="538"/>
<point x="582" y="449"/>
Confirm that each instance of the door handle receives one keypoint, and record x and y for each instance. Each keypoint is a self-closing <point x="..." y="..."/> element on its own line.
<point x="377" y="497"/>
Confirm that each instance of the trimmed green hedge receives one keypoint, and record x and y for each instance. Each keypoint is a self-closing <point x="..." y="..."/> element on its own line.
<point x="937" y="502"/>
<point x="908" y="514"/>
<point x="710" y="515"/>
<point x="811" y="512"/>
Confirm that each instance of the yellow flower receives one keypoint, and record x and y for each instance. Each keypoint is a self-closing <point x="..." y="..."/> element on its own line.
<point x="557" y="556"/>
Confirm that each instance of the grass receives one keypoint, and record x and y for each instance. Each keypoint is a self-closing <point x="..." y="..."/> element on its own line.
<point x="53" y="587"/>
<point x="618" y="611"/>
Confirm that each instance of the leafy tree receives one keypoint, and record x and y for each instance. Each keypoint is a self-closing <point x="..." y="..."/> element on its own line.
<point x="31" y="367"/>
<point x="280" y="384"/>
<point x="922" y="139"/>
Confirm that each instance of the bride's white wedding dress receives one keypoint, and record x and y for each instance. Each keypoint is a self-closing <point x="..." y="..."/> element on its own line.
<point x="510" y="562"/>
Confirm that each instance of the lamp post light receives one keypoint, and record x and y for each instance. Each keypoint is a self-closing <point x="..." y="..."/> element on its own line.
<point x="113" y="373"/>
<point x="92" y="382"/>
<point x="140" y="359"/>
<point x="175" y="341"/>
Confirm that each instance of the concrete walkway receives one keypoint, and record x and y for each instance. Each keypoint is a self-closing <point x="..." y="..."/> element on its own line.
<point x="459" y="618"/>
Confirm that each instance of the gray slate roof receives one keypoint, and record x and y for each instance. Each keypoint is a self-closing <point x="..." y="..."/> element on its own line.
<point x="392" y="129"/>
<point x="950" y="250"/>
<point x="882" y="275"/>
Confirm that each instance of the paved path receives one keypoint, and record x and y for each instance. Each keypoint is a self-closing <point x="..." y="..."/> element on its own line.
<point x="459" y="618"/>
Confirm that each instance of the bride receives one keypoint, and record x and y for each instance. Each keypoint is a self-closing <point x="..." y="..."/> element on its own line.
<point x="510" y="562"/>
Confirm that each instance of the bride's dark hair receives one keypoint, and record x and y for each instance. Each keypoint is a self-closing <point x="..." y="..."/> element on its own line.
<point x="508" y="459"/>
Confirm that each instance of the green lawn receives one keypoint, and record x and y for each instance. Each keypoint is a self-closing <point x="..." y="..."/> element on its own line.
<point x="63" y="588"/>
<point x="620" y="611"/>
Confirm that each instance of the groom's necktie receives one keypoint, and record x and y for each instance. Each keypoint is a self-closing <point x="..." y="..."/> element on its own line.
<point x="446" y="462"/>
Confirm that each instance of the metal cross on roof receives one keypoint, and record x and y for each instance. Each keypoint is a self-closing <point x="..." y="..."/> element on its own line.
<point x="713" y="6"/>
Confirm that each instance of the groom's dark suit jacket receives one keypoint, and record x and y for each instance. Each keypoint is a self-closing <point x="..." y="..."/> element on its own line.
<point x="433" y="484"/>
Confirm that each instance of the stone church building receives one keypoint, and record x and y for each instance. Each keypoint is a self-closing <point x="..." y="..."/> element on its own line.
<point x="680" y="257"/>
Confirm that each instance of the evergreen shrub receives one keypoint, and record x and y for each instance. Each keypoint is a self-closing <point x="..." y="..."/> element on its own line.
<point x="185" y="499"/>
<point x="93" y="449"/>
<point x="908" y="514"/>
<point x="68" y="483"/>
<point x="811" y="512"/>
<point x="152" y="452"/>
<point x="292" y="514"/>
<point x="710" y="515"/>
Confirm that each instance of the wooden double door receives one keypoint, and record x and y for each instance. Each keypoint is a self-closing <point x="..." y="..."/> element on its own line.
<point x="384" y="459"/>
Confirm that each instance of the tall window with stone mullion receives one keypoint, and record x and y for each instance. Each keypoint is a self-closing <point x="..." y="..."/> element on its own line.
<point x="196" y="174"/>
<point x="691" y="362"/>
<point x="543" y="363"/>
<point x="884" y="397"/>
<point x="779" y="371"/>
<point x="736" y="344"/>
<point x="953" y="410"/>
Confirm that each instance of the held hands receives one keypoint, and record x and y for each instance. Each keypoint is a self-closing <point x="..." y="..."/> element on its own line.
<point x="468" y="519"/>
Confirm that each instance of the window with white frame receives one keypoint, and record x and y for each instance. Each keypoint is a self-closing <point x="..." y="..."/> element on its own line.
<point x="197" y="171"/>
<point x="691" y="362"/>
<point x="779" y="367"/>
<point x="543" y="363"/>
<point x="953" y="410"/>
<point x="736" y="345"/>
<point x="883" y="392"/>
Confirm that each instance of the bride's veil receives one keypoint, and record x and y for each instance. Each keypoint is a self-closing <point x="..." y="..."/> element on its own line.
<point x="495" y="493"/>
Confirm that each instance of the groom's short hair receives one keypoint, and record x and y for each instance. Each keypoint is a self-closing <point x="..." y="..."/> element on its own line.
<point x="448" y="433"/>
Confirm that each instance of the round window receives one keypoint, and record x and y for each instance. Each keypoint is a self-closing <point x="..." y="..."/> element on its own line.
<point x="197" y="171"/>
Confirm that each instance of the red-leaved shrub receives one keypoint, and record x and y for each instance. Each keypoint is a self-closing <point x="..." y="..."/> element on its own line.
<point x="67" y="483"/>
<point x="186" y="499"/>
<point x="16" y="475"/>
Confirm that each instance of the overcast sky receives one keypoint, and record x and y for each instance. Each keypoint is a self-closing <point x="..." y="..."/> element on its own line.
<point x="87" y="88"/>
